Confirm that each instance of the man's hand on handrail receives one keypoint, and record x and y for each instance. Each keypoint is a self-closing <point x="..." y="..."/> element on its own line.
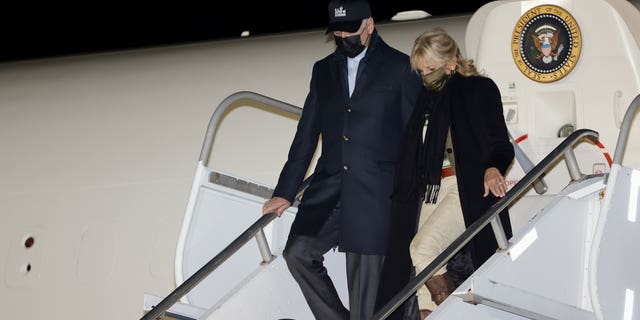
<point x="277" y="205"/>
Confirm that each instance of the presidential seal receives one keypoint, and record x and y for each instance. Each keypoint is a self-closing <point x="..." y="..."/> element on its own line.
<point x="546" y="43"/>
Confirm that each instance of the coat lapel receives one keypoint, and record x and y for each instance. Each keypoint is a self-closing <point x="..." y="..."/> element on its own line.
<point x="362" y="78"/>
<point x="365" y="71"/>
<point x="339" y="73"/>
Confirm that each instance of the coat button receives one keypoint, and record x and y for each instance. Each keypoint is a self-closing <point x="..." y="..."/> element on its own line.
<point x="345" y="167"/>
<point x="349" y="110"/>
<point x="345" y="138"/>
<point x="449" y="150"/>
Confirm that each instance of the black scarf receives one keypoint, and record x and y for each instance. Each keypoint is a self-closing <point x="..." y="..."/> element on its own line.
<point x="419" y="166"/>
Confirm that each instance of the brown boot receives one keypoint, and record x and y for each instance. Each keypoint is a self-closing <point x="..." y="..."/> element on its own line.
<point x="424" y="313"/>
<point x="440" y="287"/>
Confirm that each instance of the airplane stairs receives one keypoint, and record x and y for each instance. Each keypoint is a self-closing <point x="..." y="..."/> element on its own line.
<point x="575" y="258"/>
<point x="520" y="282"/>
<point x="251" y="283"/>
<point x="250" y="280"/>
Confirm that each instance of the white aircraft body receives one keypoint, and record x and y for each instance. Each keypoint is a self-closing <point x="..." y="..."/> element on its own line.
<point x="116" y="188"/>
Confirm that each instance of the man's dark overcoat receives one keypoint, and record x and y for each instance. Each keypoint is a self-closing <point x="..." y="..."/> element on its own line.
<point x="360" y="137"/>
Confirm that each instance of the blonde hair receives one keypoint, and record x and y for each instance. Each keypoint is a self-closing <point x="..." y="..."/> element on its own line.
<point x="438" y="45"/>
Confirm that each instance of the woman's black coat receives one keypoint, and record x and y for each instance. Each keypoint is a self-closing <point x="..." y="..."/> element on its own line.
<point x="480" y="141"/>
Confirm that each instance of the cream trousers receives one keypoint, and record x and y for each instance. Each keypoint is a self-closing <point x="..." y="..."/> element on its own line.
<point x="439" y="225"/>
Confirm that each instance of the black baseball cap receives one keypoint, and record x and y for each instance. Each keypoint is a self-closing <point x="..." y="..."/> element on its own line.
<point x="347" y="15"/>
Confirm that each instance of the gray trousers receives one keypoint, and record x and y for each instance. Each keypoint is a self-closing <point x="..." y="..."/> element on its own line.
<point x="304" y="257"/>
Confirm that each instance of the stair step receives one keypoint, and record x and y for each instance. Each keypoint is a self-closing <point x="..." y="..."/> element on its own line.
<point x="520" y="302"/>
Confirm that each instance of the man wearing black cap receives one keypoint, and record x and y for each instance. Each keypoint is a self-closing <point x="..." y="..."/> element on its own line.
<point x="359" y="101"/>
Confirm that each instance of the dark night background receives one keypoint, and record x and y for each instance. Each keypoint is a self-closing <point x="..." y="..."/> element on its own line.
<point x="38" y="31"/>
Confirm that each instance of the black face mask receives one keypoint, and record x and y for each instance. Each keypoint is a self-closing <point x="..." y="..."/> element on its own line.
<point x="350" y="46"/>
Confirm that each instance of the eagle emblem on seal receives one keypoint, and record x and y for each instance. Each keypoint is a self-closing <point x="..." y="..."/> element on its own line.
<point x="546" y="41"/>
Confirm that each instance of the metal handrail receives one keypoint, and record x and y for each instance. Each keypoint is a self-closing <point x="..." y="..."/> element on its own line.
<point x="563" y="149"/>
<point x="623" y="136"/>
<point x="255" y="230"/>
<point x="209" y="267"/>
<point x="226" y="103"/>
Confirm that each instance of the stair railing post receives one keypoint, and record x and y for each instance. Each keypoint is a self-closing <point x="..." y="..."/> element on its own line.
<point x="498" y="231"/>
<point x="263" y="246"/>
<point x="572" y="164"/>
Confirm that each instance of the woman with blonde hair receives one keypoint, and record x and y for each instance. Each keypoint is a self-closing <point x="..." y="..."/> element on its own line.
<point x="456" y="167"/>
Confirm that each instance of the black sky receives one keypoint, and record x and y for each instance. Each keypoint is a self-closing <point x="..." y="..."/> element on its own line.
<point x="32" y="31"/>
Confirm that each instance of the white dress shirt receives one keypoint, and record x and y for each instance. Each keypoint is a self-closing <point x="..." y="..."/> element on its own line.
<point x="352" y="69"/>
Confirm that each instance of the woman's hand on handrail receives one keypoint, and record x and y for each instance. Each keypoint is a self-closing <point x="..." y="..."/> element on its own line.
<point x="494" y="182"/>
